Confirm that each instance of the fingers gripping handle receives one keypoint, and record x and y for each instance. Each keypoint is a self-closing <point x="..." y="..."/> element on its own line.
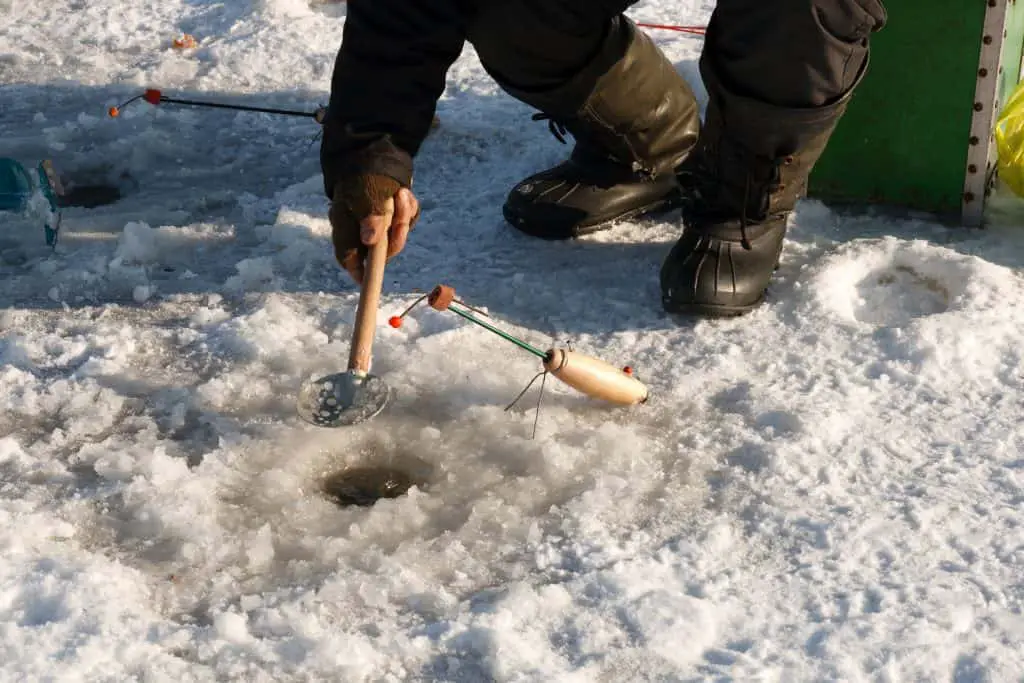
<point x="369" y="301"/>
<point x="595" y="378"/>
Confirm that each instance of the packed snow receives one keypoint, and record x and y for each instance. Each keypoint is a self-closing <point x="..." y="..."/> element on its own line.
<point x="827" y="489"/>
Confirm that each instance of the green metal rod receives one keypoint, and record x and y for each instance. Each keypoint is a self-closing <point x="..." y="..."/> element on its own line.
<point x="504" y="335"/>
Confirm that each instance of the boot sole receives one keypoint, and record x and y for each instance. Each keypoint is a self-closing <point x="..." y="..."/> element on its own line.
<point x="659" y="207"/>
<point x="711" y="310"/>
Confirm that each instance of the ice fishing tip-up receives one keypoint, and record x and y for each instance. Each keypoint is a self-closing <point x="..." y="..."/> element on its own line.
<point x="156" y="97"/>
<point x="588" y="375"/>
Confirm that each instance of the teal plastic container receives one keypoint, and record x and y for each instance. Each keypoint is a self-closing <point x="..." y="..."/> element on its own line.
<point x="17" y="190"/>
<point x="15" y="186"/>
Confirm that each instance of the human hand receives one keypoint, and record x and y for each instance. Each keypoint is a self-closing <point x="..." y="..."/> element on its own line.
<point x="364" y="208"/>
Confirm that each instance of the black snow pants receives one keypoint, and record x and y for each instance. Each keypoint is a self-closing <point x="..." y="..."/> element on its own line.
<point x="392" y="65"/>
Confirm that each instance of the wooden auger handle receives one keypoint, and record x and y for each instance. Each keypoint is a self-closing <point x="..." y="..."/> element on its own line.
<point x="361" y="352"/>
<point x="595" y="377"/>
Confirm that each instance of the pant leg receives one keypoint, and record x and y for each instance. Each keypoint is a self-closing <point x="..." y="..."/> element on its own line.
<point x="791" y="53"/>
<point x="587" y="66"/>
<point x="537" y="47"/>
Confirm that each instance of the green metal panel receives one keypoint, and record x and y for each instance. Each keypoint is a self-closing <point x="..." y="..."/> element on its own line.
<point x="903" y="140"/>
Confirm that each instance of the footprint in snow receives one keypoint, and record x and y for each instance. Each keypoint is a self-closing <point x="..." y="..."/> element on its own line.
<point x="953" y="318"/>
<point x="896" y="294"/>
<point x="892" y="282"/>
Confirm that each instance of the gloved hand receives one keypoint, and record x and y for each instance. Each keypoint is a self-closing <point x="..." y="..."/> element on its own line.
<point x="359" y="217"/>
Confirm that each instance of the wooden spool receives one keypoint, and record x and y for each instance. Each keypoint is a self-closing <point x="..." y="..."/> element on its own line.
<point x="595" y="377"/>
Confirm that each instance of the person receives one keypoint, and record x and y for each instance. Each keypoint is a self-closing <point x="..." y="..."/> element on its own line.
<point x="778" y="73"/>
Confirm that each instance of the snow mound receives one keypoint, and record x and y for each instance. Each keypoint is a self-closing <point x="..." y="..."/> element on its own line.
<point x="892" y="282"/>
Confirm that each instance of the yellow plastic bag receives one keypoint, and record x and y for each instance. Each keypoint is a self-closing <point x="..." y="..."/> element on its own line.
<point x="1009" y="134"/>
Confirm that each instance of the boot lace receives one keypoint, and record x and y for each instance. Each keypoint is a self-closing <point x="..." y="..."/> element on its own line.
<point x="556" y="127"/>
<point x="744" y="241"/>
<point x="761" y="179"/>
<point x="593" y="149"/>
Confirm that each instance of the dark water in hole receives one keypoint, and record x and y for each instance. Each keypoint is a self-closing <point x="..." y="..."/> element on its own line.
<point x="90" y="196"/>
<point x="94" y="186"/>
<point x="365" y="485"/>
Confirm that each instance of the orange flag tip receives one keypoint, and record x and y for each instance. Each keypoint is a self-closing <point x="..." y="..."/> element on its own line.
<point x="114" y="112"/>
<point x="185" y="42"/>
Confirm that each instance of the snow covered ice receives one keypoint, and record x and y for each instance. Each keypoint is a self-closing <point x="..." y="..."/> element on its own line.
<point x="828" y="489"/>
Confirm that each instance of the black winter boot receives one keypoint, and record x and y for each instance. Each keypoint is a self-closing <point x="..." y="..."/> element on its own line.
<point x="632" y="130"/>
<point x="742" y="182"/>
